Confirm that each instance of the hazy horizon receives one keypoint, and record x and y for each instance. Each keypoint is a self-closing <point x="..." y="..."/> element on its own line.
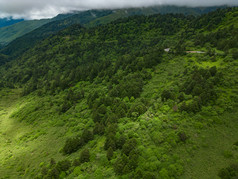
<point x="28" y="9"/>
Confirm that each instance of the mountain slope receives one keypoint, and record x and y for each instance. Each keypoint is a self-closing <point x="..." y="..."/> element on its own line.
<point x="9" y="21"/>
<point x="21" y="44"/>
<point x="9" y="33"/>
<point x="109" y="102"/>
<point x="88" y="19"/>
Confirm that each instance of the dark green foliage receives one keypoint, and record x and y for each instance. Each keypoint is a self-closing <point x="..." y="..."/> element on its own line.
<point x="137" y="109"/>
<point x="63" y="165"/>
<point x="120" y="164"/>
<point x="130" y="86"/>
<point x="121" y="141"/>
<point x="53" y="173"/>
<point x="213" y="70"/>
<point x="69" y="63"/>
<point x="98" y="129"/>
<point x="87" y="136"/>
<point x="3" y="59"/>
<point x="182" y="136"/>
<point x="129" y="146"/>
<point x="52" y="162"/>
<point x="76" y="162"/>
<point x="149" y="175"/>
<point x="181" y="97"/>
<point x="124" y="164"/>
<point x="235" y="53"/>
<point x="71" y="145"/>
<point x="75" y="143"/>
<point x="44" y="171"/>
<point x="66" y="106"/>
<point x="167" y="94"/>
<point x="110" y="153"/>
<point x="201" y="85"/>
<point x="138" y="174"/>
<point x="84" y="156"/>
<point x="71" y="99"/>
<point x="110" y="142"/>
<point x="229" y="172"/>
<point x="133" y="160"/>
<point x="55" y="169"/>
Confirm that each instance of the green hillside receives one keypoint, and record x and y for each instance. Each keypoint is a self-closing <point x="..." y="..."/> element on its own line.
<point x="9" y="33"/>
<point x="20" y="40"/>
<point x="18" y="46"/>
<point x="109" y="102"/>
<point x="8" y="21"/>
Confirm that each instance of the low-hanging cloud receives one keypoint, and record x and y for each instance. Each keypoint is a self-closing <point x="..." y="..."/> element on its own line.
<point x="31" y="9"/>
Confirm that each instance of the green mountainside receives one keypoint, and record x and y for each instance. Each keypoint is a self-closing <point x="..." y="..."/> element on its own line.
<point x="9" y="21"/>
<point x="9" y="33"/>
<point x="87" y="18"/>
<point x="109" y="102"/>
<point x="25" y="42"/>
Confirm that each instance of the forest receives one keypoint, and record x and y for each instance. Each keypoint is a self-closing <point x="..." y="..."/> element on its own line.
<point x="108" y="101"/>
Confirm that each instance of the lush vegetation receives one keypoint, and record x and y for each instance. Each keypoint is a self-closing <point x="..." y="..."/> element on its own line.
<point x="20" y="40"/>
<point x="109" y="102"/>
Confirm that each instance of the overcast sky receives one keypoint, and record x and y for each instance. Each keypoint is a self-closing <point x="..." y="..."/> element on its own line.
<point x="37" y="9"/>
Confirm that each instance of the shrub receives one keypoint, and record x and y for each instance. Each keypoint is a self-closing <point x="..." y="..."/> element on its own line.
<point x="129" y="146"/>
<point x="167" y="94"/>
<point x="182" y="136"/>
<point x="229" y="172"/>
<point x="109" y="153"/>
<point x="71" y="145"/>
<point x="63" y="165"/>
<point x="84" y="156"/>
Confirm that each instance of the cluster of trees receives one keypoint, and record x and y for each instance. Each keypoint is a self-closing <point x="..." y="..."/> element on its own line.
<point x="200" y="84"/>
<point x="61" y="168"/>
<point x="229" y="172"/>
<point x="79" y="54"/>
<point x="75" y="143"/>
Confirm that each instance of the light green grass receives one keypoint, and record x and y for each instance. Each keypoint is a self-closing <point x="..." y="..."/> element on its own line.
<point x="214" y="145"/>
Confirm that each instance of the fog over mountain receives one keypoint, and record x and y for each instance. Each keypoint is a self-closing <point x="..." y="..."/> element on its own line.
<point x="29" y="9"/>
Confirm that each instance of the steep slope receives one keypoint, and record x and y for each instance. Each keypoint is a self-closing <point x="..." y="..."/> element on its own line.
<point x="9" y="33"/>
<point x="108" y="102"/>
<point x="88" y="19"/>
<point x="9" y="21"/>
<point x="21" y="44"/>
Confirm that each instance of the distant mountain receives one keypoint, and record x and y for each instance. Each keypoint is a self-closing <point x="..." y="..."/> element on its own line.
<point x="10" y="33"/>
<point x="89" y="18"/>
<point x="9" y="21"/>
<point x="121" y="13"/>
<point x="21" y="44"/>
